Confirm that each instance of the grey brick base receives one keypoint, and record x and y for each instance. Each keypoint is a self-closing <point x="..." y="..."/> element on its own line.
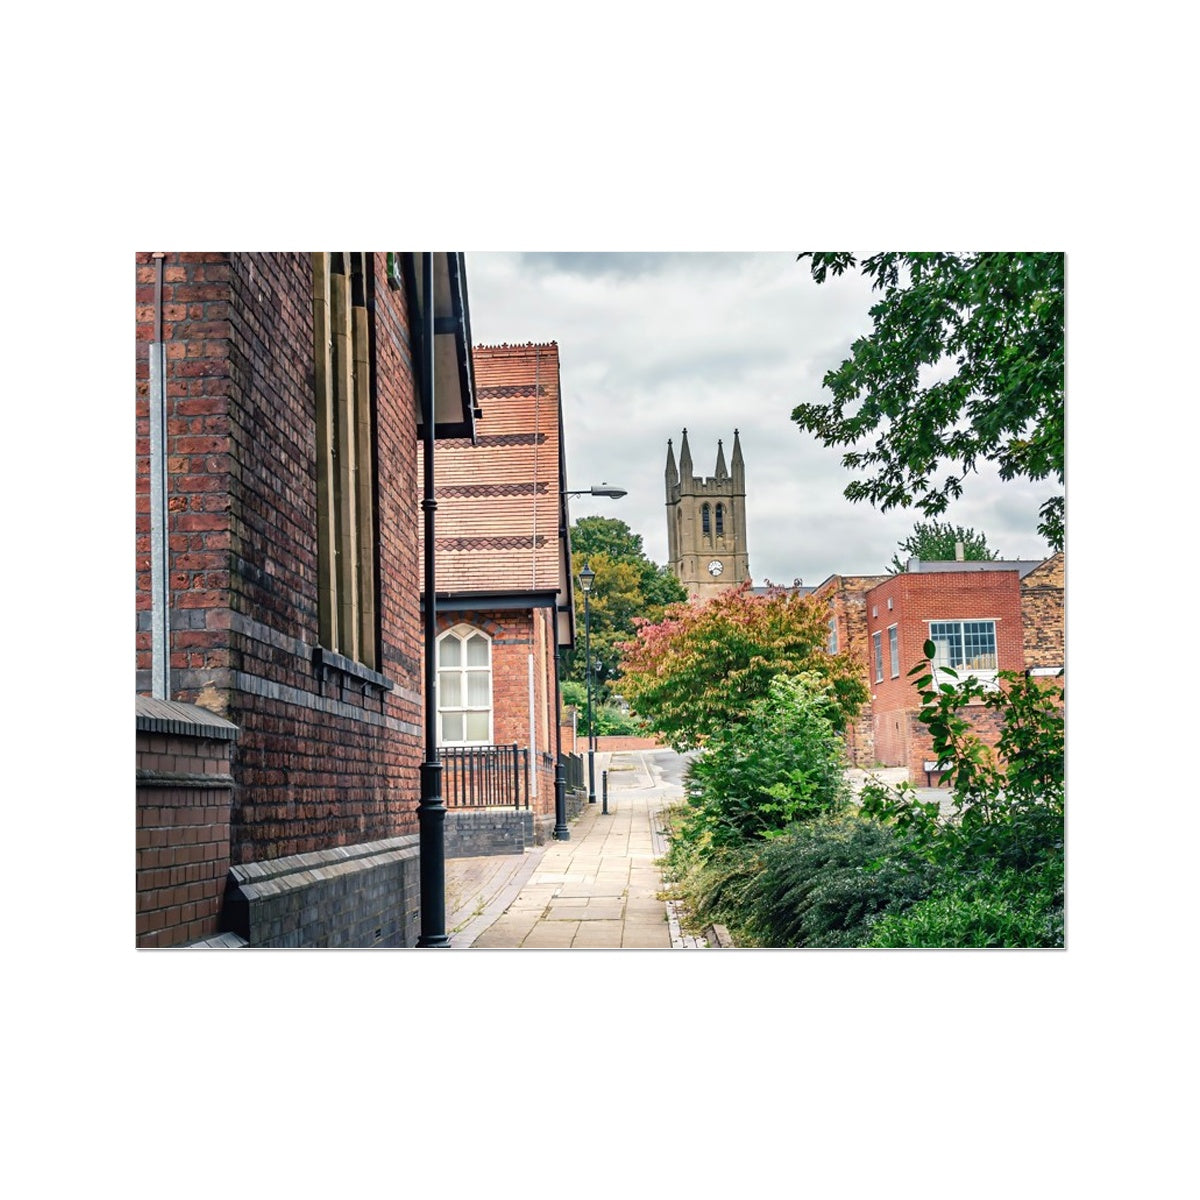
<point x="475" y="832"/>
<point x="351" y="896"/>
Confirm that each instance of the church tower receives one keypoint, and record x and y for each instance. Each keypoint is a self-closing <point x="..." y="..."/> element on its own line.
<point x="706" y="522"/>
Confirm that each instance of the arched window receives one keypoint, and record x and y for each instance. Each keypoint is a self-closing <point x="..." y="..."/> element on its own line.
<point x="720" y="520"/>
<point x="705" y="520"/>
<point x="464" y="687"/>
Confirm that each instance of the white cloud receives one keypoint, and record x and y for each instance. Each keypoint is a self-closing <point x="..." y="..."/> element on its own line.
<point x="650" y="344"/>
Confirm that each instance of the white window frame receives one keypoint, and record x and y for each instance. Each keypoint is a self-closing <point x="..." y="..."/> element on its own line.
<point x="877" y="654"/>
<point x="986" y="675"/>
<point x="894" y="649"/>
<point x="462" y="633"/>
<point x="833" y="635"/>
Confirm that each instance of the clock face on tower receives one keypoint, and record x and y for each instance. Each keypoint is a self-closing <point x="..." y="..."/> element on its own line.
<point x="715" y="568"/>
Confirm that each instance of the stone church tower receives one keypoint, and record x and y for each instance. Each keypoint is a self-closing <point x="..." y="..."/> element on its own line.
<point x="706" y="522"/>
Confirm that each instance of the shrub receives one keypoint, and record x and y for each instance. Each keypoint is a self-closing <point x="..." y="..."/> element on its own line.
<point x="1009" y="802"/>
<point x="713" y="887"/>
<point x="824" y="883"/>
<point x="1000" y="857"/>
<point x="1001" y="907"/>
<point x="784" y="764"/>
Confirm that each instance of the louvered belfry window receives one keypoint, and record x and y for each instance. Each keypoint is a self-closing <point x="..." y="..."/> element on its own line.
<point x="345" y="458"/>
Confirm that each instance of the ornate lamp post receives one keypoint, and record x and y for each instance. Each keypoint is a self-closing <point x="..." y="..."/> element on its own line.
<point x="586" y="576"/>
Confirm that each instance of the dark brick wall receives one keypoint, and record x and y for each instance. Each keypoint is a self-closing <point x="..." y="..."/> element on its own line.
<point x="320" y="762"/>
<point x="182" y="855"/>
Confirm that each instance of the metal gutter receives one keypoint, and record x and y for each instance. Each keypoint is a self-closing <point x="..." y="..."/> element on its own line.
<point x="160" y="587"/>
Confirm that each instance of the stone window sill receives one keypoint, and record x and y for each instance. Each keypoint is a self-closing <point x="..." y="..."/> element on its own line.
<point x="325" y="661"/>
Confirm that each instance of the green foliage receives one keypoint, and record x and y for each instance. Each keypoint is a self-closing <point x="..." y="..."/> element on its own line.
<point x="826" y="882"/>
<point x="712" y="883"/>
<point x="607" y="717"/>
<point x="993" y="326"/>
<point x="1000" y="858"/>
<point x="937" y="541"/>
<point x="996" y="907"/>
<point x="699" y="671"/>
<point x="628" y="587"/>
<point x="895" y="873"/>
<point x="784" y="763"/>
<point x="822" y="884"/>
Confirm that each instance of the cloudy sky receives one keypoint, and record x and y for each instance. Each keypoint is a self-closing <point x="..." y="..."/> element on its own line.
<point x="650" y="344"/>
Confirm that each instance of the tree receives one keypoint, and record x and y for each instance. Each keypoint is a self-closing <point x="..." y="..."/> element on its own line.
<point x="937" y="541"/>
<point x="702" y="667"/>
<point x="964" y="364"/>
<point x="627" y="587"/>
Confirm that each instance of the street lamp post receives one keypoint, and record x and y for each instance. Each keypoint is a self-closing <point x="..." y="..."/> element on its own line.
<point x="586" y="576"/>
<point x="613" y="493"/>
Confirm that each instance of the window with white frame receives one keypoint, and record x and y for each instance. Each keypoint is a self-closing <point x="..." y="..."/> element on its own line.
<point x="877" y="647"/>
<point x="833" y="635"/>
<point x="967" y="647"/>
<point x="464" y="687"/>
<point x="894" y="648"/>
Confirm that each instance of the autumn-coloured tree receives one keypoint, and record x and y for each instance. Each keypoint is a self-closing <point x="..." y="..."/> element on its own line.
<point x="702" y="667"/>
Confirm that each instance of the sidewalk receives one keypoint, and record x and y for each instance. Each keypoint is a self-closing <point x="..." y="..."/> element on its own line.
<point x="600" y="890"/>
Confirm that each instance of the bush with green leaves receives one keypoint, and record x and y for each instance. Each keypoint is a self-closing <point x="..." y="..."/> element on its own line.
<point x="785" y="763"/>
<point x="821" y="884"/>
<point x="996" y="907"/>
<point x="824" y="883"/>
<point x="1009" y="801"/>
<point x="999" y="858"/>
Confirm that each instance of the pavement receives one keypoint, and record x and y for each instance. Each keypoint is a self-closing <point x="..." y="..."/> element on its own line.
<point x="891" y="777"/>
<point x="601" y="889"/>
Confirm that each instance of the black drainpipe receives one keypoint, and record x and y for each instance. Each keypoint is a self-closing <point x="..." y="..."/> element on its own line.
<point x="432" y="813"/>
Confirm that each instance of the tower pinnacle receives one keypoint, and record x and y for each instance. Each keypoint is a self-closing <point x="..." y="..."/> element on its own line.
<point x="685" y="460"/>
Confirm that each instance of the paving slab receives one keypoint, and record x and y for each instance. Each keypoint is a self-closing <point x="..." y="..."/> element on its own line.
<point x="600" y="890"/>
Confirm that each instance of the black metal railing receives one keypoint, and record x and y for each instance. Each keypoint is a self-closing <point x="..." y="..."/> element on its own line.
<point x="573" y="771"/>
<point x="485" y="776"/>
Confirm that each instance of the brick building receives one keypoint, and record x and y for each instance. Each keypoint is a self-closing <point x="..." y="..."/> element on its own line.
<point x="503" y="566"/>
<point x="983" y="617"/>
<point x="279" y="639"/>
<point x="846" y="596"/>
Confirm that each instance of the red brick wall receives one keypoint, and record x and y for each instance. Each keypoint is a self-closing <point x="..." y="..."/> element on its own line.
<point x="318" y="763"/>
<point x="917" y="599"/>
<point x="516" y="634"/>
<point x="182" y="839"/>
